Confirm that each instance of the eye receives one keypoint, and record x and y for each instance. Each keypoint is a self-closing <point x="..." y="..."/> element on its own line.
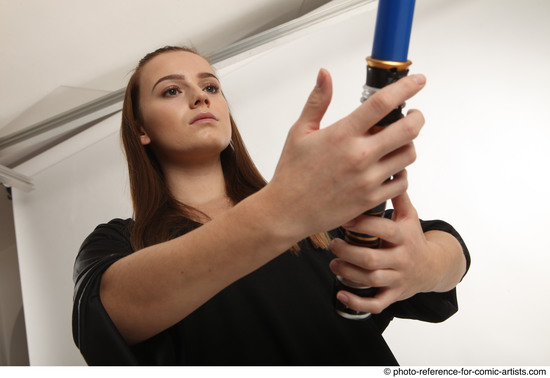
<point x="212" y="88"/>
<point x="171" y="92"/>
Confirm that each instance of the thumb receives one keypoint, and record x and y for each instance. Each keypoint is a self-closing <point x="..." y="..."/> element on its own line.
<point x="317" y="103"/>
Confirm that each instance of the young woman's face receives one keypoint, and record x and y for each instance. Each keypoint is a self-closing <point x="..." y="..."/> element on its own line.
<point x="185" y="116"/>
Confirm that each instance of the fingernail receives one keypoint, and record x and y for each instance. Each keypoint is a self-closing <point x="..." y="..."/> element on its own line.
<point x="320" y="79"/>
<point x="350" y="223"/>
<point x="419" y="79"/>
<point x="334" y="264"/>
<point x="342" y="298"/>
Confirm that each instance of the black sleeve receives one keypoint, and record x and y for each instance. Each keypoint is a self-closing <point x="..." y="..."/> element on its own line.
<point x="93" y="331"/>
<point x="430" y="307"/>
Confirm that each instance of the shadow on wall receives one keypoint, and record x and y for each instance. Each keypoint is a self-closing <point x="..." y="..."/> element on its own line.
<point x="18" y="354"/>
<point x="13" y="337"/>
<point x="3" y="352"/>
<point x="13" y="349"/>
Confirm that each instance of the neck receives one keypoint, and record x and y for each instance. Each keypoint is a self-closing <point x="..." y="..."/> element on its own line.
<point x="199" y="186"/>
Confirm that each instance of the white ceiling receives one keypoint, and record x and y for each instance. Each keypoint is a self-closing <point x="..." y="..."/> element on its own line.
<point x="49" y="47"/>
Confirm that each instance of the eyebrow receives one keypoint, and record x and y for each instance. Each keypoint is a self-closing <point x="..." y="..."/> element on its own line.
<point x="202" y="75"/>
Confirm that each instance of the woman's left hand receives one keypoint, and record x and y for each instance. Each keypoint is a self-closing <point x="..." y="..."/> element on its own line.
<point x="408" y="262"/>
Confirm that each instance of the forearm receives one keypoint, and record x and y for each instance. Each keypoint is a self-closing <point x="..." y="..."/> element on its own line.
<point x="154" y="288"/>
<point x="447" y="260"/>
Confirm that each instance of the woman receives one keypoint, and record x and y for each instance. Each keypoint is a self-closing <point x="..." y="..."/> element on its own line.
<point x="203" y="273"/>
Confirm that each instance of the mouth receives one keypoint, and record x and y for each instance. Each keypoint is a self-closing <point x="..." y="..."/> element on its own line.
<point x="203" y="118"/>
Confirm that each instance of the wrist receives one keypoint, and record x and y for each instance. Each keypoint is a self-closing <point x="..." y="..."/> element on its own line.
<point x="435" y="266"/>
<point x="266" y="215"/>
<point x="447" y="261"/>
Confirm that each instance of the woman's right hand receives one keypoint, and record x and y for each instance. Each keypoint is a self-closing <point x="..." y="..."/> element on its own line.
<point x="328" y="176"/>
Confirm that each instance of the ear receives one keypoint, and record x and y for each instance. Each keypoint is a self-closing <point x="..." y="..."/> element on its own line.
<point x="143" y="137"/>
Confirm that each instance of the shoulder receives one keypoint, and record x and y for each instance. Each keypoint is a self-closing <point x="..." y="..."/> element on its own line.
<point x="115" y="228"/>
<point x="107" y="242"/>
<point x="113" y="234"/>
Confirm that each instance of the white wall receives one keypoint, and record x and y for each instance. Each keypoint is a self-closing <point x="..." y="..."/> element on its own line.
<point x="483" y="154"/>
<point x="79" y="184"/>
<point x="481" y="165"/>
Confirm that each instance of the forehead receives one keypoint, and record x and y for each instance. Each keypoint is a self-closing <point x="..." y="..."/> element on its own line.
<point x="174" y="62"/>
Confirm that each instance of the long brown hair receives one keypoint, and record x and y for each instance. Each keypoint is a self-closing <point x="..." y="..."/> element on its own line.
<point x="158" y="215"/>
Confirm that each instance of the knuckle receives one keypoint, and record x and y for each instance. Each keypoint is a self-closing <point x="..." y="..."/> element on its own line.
<point x="412" y="127"/>
<point x="368" y="261"/>
<point x="381" y="102"/>
<point x="368" y="182"/>
<point x="374" y="280"/>
<point x="400" y="262"/>
<point x="315" y="98"/>
<point x="404" y="186"/>
<point x="373" y="200"/>
<point x="411" y="153"/>
<point x="391" y="231"/>
<point x="338" y="135"/>
<point x="420" y="116"/>
<point x="313" y="102"/>
<point x="401" y="184"/>
<point x="376" y="308"/>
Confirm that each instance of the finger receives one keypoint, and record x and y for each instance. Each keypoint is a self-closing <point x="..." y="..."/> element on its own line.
<point x="403" y="207"/>
<point x="383" y="228"/>
<point x="398" y="134"/>
<point x="317" y="103"/>
<point x="398" y="160"/>
<point x="396" y="186"/>
<point x="384" y="101"/>
<point x="389" y="188"/>
<point x="352" y="259"/>
<point x="366" y="278"/>
<point x="373" y="305"/>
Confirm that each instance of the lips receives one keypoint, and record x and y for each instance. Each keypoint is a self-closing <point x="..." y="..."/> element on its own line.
<point x="203" y="118"/>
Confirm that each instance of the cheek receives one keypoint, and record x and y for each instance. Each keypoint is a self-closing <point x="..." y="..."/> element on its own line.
<point x="224" y="111"/>
<point x="157" y="121"/>
<point x="152" y="115"/>
<point x="227" y="127"/>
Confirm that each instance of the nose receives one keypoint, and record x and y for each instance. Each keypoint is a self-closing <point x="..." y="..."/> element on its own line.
<point x="199" y="97"/>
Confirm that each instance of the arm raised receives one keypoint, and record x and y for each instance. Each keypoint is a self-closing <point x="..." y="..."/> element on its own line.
<point x="324" y="177"/>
